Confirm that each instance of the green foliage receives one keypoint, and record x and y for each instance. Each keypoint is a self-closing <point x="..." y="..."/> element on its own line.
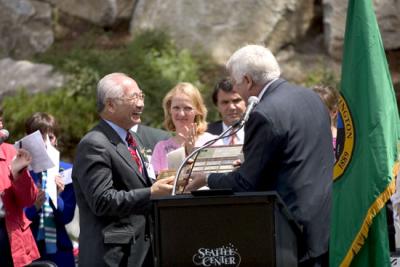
<point x="321" y="76"/>
<point x="152" y="59"/>
<point x="75" y="115"/>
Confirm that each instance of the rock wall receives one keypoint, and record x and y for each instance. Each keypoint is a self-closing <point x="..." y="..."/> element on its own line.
<point x="214" y="27"/>
<point x="25" y="27"/>
<point x="220" y="27"/>
<point x="334" y="13"/>
<point x="16" y="74"/>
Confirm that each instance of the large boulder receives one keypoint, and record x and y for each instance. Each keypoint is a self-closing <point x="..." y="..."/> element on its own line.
<point x="24" y="74"/>
<point x="25" y="28"/>
<point x="388" y="16"/>
<point x="220" y="27"/>
<point x="99" y="12"/>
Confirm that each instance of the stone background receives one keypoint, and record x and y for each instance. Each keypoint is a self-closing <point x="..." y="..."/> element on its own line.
<point x="304" y="34"/>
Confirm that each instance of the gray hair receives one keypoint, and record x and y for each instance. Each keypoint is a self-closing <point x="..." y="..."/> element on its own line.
<point x="256" y="61"/>
<point x="110" y="86"/>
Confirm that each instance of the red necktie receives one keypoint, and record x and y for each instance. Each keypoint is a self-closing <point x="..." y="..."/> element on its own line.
<point x="132" y="146"/>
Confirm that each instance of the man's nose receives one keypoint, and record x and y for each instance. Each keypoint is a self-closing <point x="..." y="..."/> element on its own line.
<point x="139" y="103"/>
<point x="231" y="105"/>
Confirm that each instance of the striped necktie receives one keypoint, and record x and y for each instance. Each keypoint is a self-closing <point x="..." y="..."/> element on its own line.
<point x="47" y="226"/>
<point x="132" y="147"/>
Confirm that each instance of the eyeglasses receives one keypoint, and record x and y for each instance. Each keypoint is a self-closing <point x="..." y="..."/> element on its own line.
<point x="134" y="97"/>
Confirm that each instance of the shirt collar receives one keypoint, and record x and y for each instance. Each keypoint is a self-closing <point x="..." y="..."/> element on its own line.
<point x="134" y="128"/>
<point x="120" y="131"/>
<point x="261" y="94"/>
<point x="239" y="134"/>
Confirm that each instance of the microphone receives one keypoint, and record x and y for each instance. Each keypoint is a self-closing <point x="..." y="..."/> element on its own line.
<point x="4" y="134"/>
<point x="251" y="104"/>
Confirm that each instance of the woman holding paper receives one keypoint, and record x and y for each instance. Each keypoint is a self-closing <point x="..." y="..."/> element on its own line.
<point x="49" y="218"/>
<point x="17" y="245"/>
<point x="185" y="115"/>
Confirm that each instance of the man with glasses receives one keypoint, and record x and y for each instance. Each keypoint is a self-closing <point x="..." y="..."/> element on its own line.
<point x="111" y="183"/>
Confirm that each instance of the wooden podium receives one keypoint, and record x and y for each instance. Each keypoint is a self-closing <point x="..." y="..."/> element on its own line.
<point x="242" y="229"/>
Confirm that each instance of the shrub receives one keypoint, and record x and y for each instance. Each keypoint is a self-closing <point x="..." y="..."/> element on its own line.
<point x="75" y="115"/>
<point x="152" y="59"/>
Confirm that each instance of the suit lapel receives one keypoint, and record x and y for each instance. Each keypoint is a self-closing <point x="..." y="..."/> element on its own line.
<point x="220" y="128"/>
<point x="137" y="137"/>
<point x="122" y="149"/>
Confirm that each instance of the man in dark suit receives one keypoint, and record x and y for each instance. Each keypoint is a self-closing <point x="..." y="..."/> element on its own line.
<point x="112" y="187"/>
<point x="287" y="148"/>
<point x="149" y="136"/>
<point x="231" y="107"/>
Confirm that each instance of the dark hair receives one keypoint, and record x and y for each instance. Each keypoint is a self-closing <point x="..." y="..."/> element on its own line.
<point x="41" y="121"/>
<point x="225" y="85"/>
<point x="1" y="111"/>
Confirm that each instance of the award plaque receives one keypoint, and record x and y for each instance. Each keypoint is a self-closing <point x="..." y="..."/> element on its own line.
<point x="217" y="159"/>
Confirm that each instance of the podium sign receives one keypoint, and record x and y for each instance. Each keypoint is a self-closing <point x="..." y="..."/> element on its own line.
<point x="248" y="229"/>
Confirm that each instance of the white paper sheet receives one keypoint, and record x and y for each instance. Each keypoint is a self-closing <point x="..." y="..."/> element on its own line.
<point x="175" y="158"/>
<point x="35" y="145"/>
<point x="67" y="176"/>
<point x="51" y="186"/>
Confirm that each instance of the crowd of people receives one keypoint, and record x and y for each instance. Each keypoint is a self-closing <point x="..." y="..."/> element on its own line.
<point x="287" y="147"/>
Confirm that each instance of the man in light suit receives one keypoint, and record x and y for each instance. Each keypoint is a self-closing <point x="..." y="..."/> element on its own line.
<point x="287" y="148"/>
<point x="112" y="187"/>
<point x="231" y="107"/>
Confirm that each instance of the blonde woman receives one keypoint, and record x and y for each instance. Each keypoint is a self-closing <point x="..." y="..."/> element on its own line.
<point x="185" y="115"/>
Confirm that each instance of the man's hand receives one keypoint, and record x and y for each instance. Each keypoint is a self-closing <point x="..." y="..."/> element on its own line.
<point x="162" y="187"/>
<point x="196" y="181"/>
<point x="236" y="163"/>
<point x="21" y="161"/>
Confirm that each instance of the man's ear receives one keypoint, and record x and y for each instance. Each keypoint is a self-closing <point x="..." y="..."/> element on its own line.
<point x="248" y="81"/>
<point x="109" y="105"/>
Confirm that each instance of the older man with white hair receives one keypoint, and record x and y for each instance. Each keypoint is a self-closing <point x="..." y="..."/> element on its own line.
<point x="287" y="148"/>
<point x="112" y="185"/>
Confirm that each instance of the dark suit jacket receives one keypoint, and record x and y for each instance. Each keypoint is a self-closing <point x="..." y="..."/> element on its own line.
<point x="288" y="148"/>
<point x="148" y="137"/>
<point x="113" y="199"/>
<point x="215" y="128"/>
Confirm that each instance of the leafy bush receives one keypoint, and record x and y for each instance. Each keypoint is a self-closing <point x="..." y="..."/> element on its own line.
<point x="323" y="76"/>
<point x="74" y="115"/>
<point x="152" y="59"/>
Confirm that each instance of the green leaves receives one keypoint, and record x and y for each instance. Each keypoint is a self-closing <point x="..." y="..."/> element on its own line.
<point x="152" y="59"/>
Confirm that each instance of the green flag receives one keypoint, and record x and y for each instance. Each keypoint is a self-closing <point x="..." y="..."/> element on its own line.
<point x="366" y="156"/>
